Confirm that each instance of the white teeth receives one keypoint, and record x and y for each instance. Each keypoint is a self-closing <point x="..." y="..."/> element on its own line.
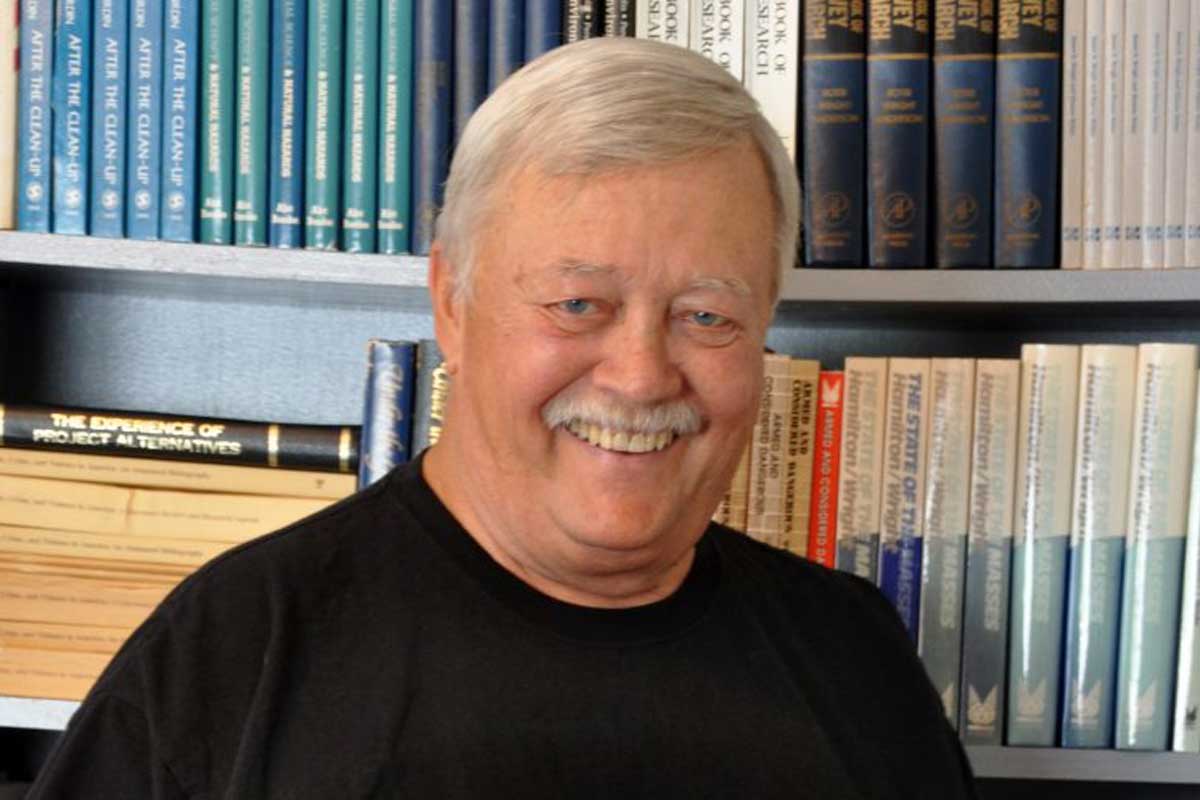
<point x="620" y="441"/>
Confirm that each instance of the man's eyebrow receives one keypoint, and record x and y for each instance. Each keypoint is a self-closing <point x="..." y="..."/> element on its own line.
<point x="735" y="285"/>
<point x="574" y="266"/>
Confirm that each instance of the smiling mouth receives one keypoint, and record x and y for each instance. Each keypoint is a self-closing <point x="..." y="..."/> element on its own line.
<point x="619" y="441"/>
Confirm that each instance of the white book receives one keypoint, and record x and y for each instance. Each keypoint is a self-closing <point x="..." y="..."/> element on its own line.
<point x="772" y="64"/>
<point x="1145" y="132"/>
<point x="1185" y="733"/>
<point x="1111" y="203"/>
<point x="1093" y="133"/>
<point x="1178" y="47"/>
<point x="1074" y="89"/>
<point x="1192" y="203"/>
<point x="718" y="32"/>
<point x="664" y="22"/>
<point x="8" y="112"/>
<point x="859" y="478"/>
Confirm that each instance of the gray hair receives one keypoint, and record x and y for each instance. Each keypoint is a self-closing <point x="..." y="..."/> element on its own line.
<point x="601" y="105"/>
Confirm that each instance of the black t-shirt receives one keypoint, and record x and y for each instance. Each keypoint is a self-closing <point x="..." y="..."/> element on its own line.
<point x="375" y="650"/>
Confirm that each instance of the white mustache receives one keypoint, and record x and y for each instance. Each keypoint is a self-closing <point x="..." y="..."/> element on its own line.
<point x="678" y="417"/>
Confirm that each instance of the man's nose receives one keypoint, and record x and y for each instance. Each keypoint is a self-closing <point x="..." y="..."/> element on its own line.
<point x="638" y="364"/>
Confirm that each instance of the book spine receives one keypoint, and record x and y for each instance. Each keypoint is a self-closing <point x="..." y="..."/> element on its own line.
<point x="1074" y="88"/>
<point x="1185" y="732"/>
<point x="1134" y="169"/>
<point x="218" y="32"/>
<point x="71" y="99"/>
<point x="1175" y="122"/>
<point x="470" y="63"/>
<point x="583" y="19"/>
<point x="902" y="507"/>
<point x="144" y="128"/>
<point x="253" y="83"/>
<point x="860" y="473"/>
<point x="834" y="126"/>
<point x="67" y="639"/>
<point x="1154" y="544"/>
<point x="1027" y="117"/>
<point x="323" y="125"/>
<point x="64" y="546"/>
<point x="897" y="134"/>
<point x="285" y="199"/>
<point x="618" y="17"/>
<point x="736" y="499"/>
<point x="34" y="116"/>
<point x="1192" y="212"/>
<point x="764" y="520"/>
<point x="180" y="85"/>
<point x="798" y="452"/>
<point x="429" y="402"/>
<point x="106" y="202"/>
<point x="328" y="448"/>
<point x="1153" y="101"/>
<point x="507" y="40"/>
<point x="387" y="409"/>
<point x="718" y="31"/>
<point x="1113" y="225"/>
<point x="543" y="27"/>
<point x="667" y="22"/>
<point x="360" y="139"/>
<point x="1045" y="458"/>
<point x="946" y="501"/>
<point x="989" y="550"/>
<point x="432" y="53"/>
<point x="395" y="125"/>
<point x="1103" y="436"/>
<point x="10" y="47"/>
<point x="771" y="71"/>
<point x="822" y="517"/>
<point x="1094" y="92"/>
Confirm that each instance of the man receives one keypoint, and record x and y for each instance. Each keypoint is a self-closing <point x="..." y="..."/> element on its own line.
<point x="539" y="607"/>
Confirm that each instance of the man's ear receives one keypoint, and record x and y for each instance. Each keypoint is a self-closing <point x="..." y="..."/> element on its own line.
<point x="447" y="307"/>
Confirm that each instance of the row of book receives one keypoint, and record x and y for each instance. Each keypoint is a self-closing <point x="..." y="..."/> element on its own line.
<point x="1035" y="522"/>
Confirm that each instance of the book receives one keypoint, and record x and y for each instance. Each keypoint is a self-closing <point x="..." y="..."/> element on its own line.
<point x="253" y="84"/>
<point x="180" y="85"/>
<point x="799" y="430"/>
<point x="143" y="132"/>
<point x="861" y="470"/>
<point x="1185" y="728"/>
<point x="61" y="638"/>
<point x="429" y="401"/>
<point x="1094" y="92"/>
<point x="470" y="62"/>
<point x="1025" y="204"/>
<point x="26" y="672"/>
<point x="329" y="448"/>
<point x="432" y="53"/>
<point x="619" y="16"/>
<point x="1074" y="89"/>
<point x="771" y="71"/>
<point x="71" y="101"/>
<point x="735" y="505"/>
<point x="159" y="473"/>
<point x="387" y="408"/>
<point x="902" y="499"/>
<point x="768" y="444"/>
<point x="543" y="27"/>
<point x="583" y="19"/>
<point x="1176" y="124"/>
<point x="666" y="22"/>
<point x="506" y="38"/>
<point x="323" y="124"/>
<point x="718" y="30"/>
<point x="1112" y="248"/>
<point x="218" y="35"/>
<point x="110" y="51"/>
<point x="898" y="50"/>
<point x="285" y="192"/>
<point x="1045" y="459"/>
<point x="1192" y="202"/>
<point x="946" y="510"/>
<point x="395" y="124"/>
<point x="834" y="127"/>
<point x="823" y="509"/>
<point x="69" y="546"/>
<point x="1099" y="500"/>
<point x="10" y="47"/>
<point x="68" y="600"/>
<point x="360" y="137"/>
<point x="1145" y="137"/>
<point x="34" y="119"/>
<point x="1159" y="479"/>
<point x="989" y="550"/>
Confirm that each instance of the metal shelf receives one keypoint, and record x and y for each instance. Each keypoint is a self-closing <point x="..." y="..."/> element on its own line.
<point x="1062" y="764"/>
<point x="27" y="712"/>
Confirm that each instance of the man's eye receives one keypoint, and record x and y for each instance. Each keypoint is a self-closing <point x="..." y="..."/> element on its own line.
<point x="707" y="319"/>
<point x="575" y="306"/>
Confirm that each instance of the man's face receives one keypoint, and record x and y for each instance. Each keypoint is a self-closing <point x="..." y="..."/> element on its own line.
<point x="609" y="361"/>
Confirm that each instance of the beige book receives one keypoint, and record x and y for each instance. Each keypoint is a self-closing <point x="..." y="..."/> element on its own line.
<point x="1176" y="124"/>
<point x="1111" y="207"/>
<point x="61" y="638"/>
<point x="9" y="46"/>
<point x="157" y="473"/>
<point x="1074" y="90"/>
<point x="1093" y="133"/>
<point x="119" y="573"/>
<point x="70" y="505"/>
<point x="764" y="518"/>
<point x="49" y="674"/>
<point x="1145" y="133"/>
<point x="739" y="493"/>
<point x="182" y="554"/>
<point x="859" y="490"/>
<point x="801" y="431"/>
<point x="77" y="601"/>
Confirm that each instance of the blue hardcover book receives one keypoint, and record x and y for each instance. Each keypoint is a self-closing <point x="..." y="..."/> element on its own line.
<point x="144" y="133"/>
<point x="387" y="409"/>
<point x="964" y="65"/>
<point x="584" y="19"/>
<point x="110" y="50"/>
<point x="433" y="47"/>
<point x="470" y="60"/>
<point x="429" y="402"/>
<point x="834" y="126"/>
<point x="395" y="125"/>
<point x="71" y="98"/>
<point x="286" y="192"/>
<point x="179" y="131"/>
<point x="507" y="36"/>
<point x="898" y="134"/>
<point x="543" y="27"/>
<point x="1027" y="140"/>
<point x="34" y="116"/>
<point x="618" y="15"/>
